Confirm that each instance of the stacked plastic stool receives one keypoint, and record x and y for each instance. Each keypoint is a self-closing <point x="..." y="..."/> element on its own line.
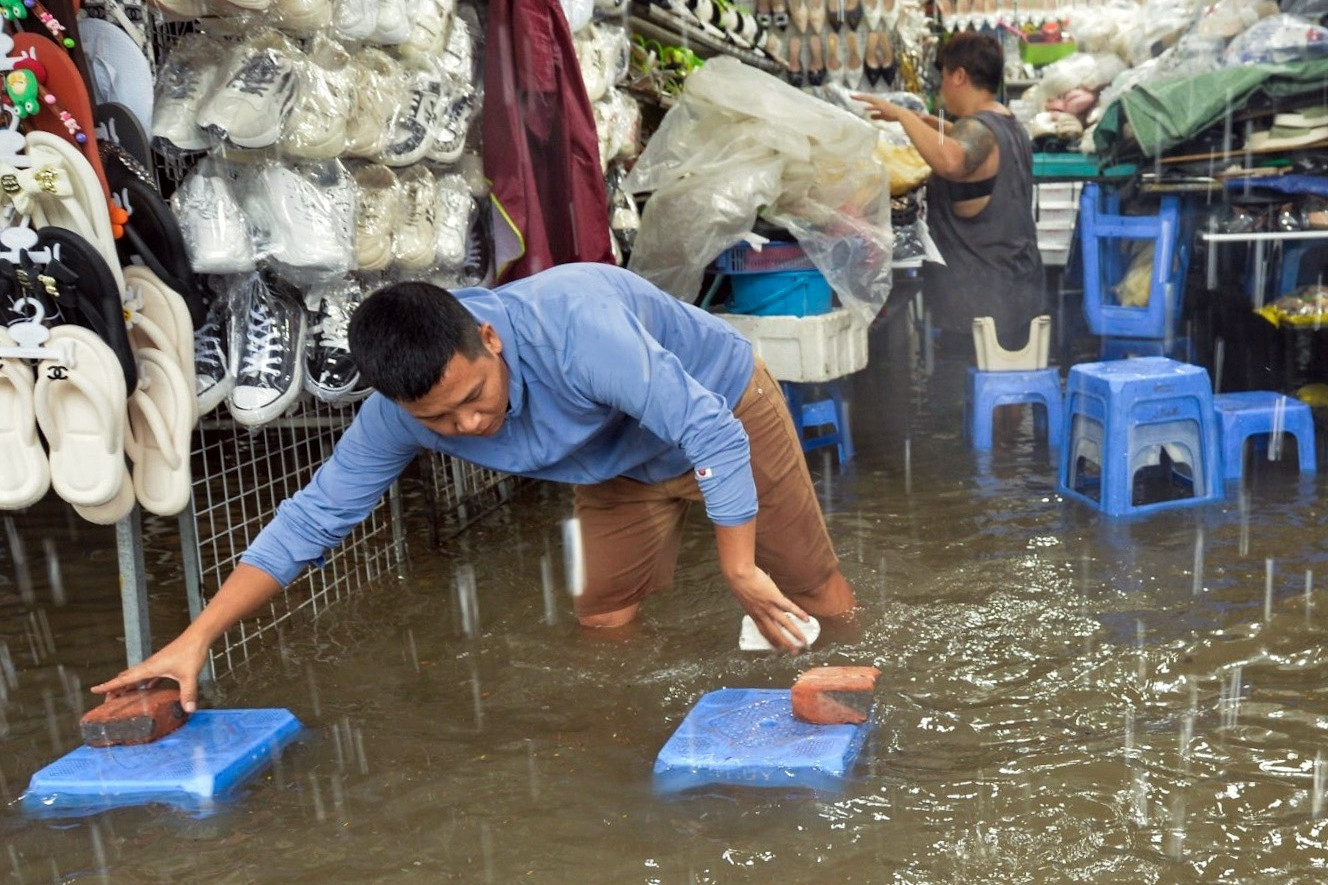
<point x="828" y="412"/>
<point x="1128" y="421"/>
<point x="1004" y="378"/>
<point x="1254" y="413"/>
<point x="1108" y="243"/>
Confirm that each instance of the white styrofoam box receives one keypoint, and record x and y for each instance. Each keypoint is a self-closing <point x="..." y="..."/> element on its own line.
<point x="1054" y="236"/>
<point x="805" y="349"/>
<point x="1062" y="217"/>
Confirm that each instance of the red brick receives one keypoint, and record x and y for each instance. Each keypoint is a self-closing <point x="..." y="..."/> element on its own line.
<point x="834" y="695"/>
<point x="134" y="717"/>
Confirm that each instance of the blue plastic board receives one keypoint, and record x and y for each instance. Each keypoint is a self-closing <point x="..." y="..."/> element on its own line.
<point x="748" y="737"/>
<point x="204" y="759"/>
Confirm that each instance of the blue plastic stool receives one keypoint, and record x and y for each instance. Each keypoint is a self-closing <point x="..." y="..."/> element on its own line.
<point x="820" y="413"/>
<point x="1128" y="348"/>
<point x="1104" y="237"/>
<point x="987" y="390"/>
<point x="1126" y="415"/>
<point x="1255" y="412"/>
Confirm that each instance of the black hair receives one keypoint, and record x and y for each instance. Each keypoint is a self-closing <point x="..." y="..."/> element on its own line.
<point x="403" y="336"/>
<point x="980" y="55"/>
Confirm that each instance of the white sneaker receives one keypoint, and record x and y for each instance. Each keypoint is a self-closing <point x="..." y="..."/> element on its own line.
<point x="459" y="56"/>
<point x="214" y="227"/>
<point x="255" y="99"/>
<point x="377" y="211"/>
<point x="454" y="207"/>
<point x="302" y="16"/>
<point x="311" y="211"/>
<point x="393" y="23"/>
<point x="184" y="82"/>
<point x="429" y="32"/>
<point x="589" y="57"/>
<point x="379" y="90"/>
<point x="271" y="366"/>
<point x="319" y="120"/>
<point x="416" y="239"/>
<point x="458" y="110"/>
<point x="354" y="20"/>
<point x="415" y="124"/>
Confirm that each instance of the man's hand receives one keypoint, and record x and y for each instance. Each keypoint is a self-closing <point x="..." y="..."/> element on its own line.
<point x="878" y="108"/>
<point x="760" y="598"/>
<point x="181" y="660"/>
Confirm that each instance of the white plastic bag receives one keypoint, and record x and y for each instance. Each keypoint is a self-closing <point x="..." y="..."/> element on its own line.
<point x="740" y="143"/>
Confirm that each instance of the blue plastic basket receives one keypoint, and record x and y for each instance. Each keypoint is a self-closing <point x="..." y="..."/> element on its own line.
<point x="775" y="255"/>
<point x="796" y="293"/>
<point x="748" y="737"/>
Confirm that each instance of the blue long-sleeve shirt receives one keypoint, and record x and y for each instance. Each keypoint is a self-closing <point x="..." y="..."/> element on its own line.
<point x="609" y="376"/>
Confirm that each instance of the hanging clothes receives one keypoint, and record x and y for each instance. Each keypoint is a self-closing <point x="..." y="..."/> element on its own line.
<point x="541" y="150"/>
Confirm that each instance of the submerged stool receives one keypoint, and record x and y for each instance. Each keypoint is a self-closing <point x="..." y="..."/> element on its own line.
<point x="1125" y="416"/>
<point x="829" y="412"/>
<point x="987" y="390"/>
<point x="1259" y="412"/>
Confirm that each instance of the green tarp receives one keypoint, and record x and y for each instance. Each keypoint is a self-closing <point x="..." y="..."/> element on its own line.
<point x="1164" y="114"/>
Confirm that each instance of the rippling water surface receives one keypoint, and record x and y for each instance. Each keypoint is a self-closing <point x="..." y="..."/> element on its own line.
<point x="1062" y="699"/>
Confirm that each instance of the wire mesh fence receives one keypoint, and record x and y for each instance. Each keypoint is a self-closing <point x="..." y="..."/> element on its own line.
<point x="241" y="476"/>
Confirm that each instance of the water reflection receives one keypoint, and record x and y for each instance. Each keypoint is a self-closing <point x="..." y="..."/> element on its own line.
<point x="1062" y="698"/>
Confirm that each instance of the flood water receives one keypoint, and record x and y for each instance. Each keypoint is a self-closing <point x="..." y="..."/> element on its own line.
<point x="1063" y="698"/>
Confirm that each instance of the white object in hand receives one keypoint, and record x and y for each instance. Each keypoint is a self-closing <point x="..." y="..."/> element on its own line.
<point x="751" y="639"/>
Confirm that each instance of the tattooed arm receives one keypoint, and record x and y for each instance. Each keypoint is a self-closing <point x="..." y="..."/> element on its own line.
<point x="956" y="153"/>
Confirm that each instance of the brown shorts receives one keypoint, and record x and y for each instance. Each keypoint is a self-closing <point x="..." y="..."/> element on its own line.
<point x="631" y="530"/>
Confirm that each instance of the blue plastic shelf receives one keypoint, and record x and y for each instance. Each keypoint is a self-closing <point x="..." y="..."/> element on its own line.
<point x="748" y="737"/>
<point x="210" y="755"/>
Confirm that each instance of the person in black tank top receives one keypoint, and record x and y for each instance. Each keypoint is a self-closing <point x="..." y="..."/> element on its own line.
<point x="980" y="197"/>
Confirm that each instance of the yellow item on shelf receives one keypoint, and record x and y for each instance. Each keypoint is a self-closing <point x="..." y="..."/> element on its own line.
<point x="908" y="171"/>
<point x="1134" y="289"/>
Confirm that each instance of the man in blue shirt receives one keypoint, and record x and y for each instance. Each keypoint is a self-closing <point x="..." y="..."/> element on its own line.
<point x="585" y="374"/>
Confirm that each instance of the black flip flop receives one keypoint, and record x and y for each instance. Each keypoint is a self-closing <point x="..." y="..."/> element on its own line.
<point x="152" y="236"/>
<point x="86" y="291"/>
<point x="121" y="135"/>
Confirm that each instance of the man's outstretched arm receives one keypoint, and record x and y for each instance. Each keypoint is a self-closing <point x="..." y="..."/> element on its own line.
<point x="241" y="594"/>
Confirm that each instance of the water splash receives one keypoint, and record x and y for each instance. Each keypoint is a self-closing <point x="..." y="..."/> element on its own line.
<point x="1268" y="590"/>
<point x="22" y="575"/>
<point x="1197" y="586"/>
<point x="54" y="576"/>
<point x="546" y="582"/>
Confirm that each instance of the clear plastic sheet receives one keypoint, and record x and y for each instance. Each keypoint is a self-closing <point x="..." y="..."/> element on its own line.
<point x="1276" y="39"/>
<point x="742" y="142"/>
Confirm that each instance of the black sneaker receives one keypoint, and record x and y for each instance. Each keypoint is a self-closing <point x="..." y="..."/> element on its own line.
<point x="271" y="370"/>
<point x="214" y="374"/>
<point x="330" y="374"/>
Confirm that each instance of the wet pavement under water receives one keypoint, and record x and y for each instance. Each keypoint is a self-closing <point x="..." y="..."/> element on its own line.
<point x="1063" y="698"/>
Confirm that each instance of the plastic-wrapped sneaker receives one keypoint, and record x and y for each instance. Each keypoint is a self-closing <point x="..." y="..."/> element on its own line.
<point x="415" y="125"/>
<point x="271" y="367"/>
<point x="477" y="269"/>
<point x="378" y="209"/>
<point x="454" y="119"/>
<point x="253" y="102"/>
<point x="393" y="23"/>
<point x="429" y="32"/>
<point x="184" y="82"/>
<point x="454" y="210"/>
<point x="379" y="90"/>
<point x="317" y="127"/>
<point x="330" y="373"/>
<point x="416" y="238"/>
<point x="213" y="373"/>
<point x="213" y="225"/>
<point x="311" y="208"/>
<point x="354" y="20"/>
<point x="302" y="16"/>
<point x="459" y="57"/>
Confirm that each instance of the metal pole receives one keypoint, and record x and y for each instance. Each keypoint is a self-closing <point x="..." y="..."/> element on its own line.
<point x="133" y="587"/>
